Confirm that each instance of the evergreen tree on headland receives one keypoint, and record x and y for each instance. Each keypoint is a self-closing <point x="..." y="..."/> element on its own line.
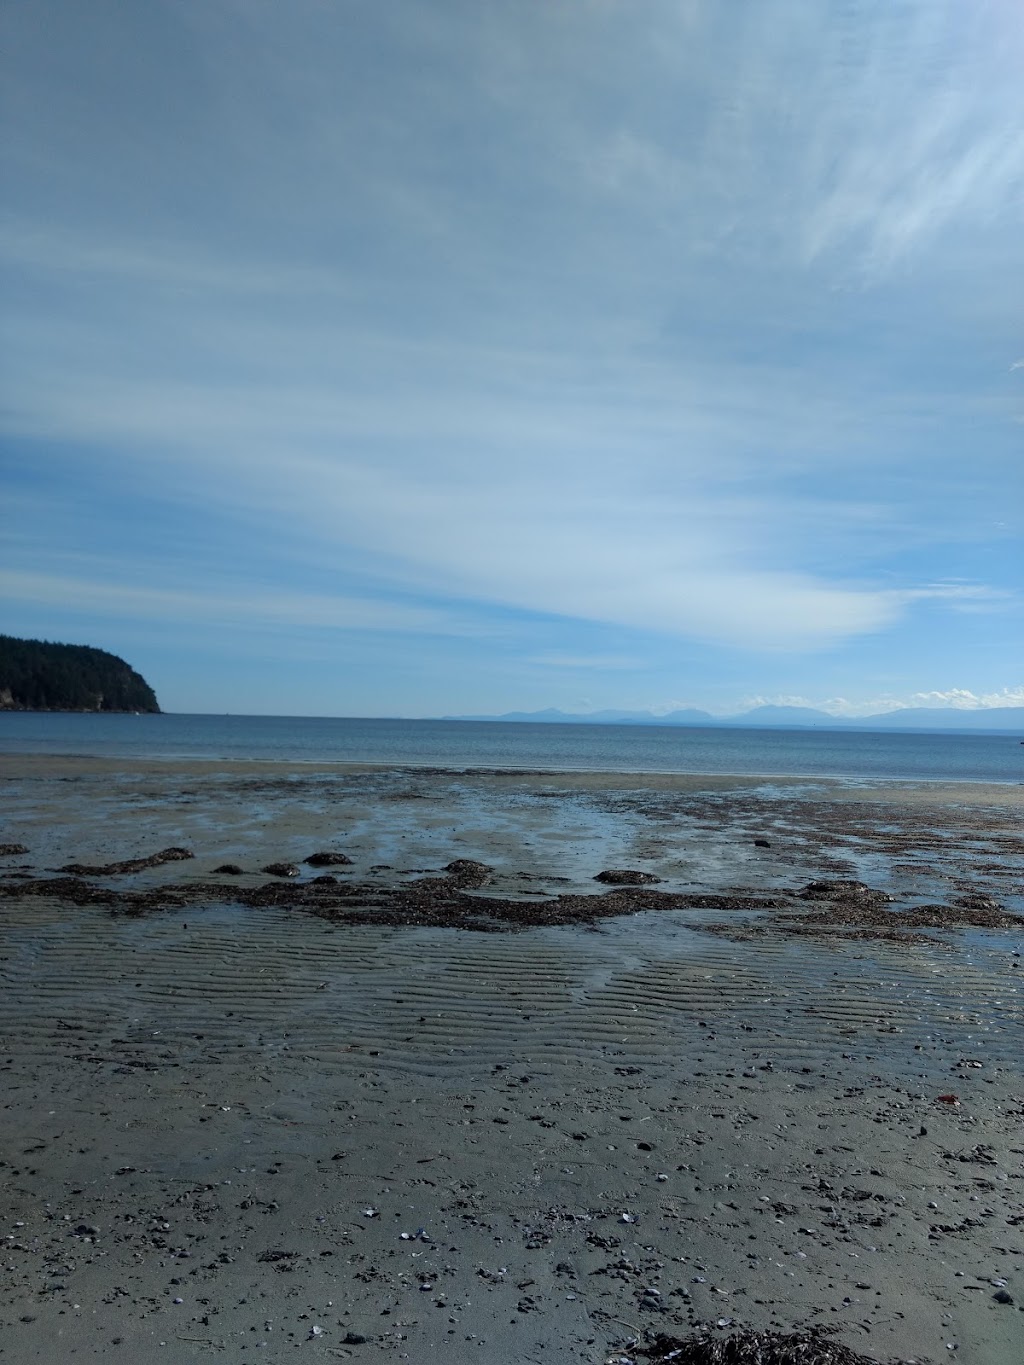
<point x="36" y="675"/>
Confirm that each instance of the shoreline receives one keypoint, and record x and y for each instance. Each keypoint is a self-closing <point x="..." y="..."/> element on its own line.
<point x="17" y="765"/>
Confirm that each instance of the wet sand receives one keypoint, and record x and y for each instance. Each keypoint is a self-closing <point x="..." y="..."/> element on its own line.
<point x="230" y="1125"/>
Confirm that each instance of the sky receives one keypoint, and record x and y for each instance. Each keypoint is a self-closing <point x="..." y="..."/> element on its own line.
<point x="435" y="358"/>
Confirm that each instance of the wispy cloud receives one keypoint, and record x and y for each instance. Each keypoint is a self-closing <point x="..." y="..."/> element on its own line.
<point x="253" y="609"/>
<point x="864" y="138"/>
<point x="167" y="266"/>
<point x="600" y="662"/>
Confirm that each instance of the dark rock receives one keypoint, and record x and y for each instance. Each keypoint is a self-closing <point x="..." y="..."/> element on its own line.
<point x="762" y="843"/>
<point x="624" y="876"/>
<point x="329" y="859"/>
<point x="12" y="850"/>
<point x="325" y="879"/>
<point x="354" y="1339"/>
<point x="1002" y="1296"/>
<point x="281" y="869"/>
<point x="229" y="870"/>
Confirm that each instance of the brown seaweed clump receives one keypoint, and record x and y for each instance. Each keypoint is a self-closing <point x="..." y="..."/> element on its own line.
<point x="812" y="1347"/>
<point x="166" y="855"/>
<point x="468" y="873"/>
<point x="852" y="910"/>
<point x="869" y="920"/>
<point x="436" y="902"/>
<point x="625" y="876"/>
<point x="842" y="890"/>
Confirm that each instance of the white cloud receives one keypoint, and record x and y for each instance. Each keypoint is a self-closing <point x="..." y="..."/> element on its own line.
<point x="958" y="698"/>
<point x="487" y="496"/>
<point x="256" y="608"/>
<point x="479" y="492"/>
<point x="965" y="700"/>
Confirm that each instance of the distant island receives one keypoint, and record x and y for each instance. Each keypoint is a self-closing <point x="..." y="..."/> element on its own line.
<point x="942" y="718"/>
<point x="36" y="675"/>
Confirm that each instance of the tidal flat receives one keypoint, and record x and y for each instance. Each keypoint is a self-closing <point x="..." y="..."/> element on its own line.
<point x="241" y="1107"/>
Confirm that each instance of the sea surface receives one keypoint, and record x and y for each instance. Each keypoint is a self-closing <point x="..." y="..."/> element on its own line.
<point x="860" y="754"/>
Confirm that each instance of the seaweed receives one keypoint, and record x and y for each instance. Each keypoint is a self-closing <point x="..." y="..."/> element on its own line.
<point x="812" y="1347"/>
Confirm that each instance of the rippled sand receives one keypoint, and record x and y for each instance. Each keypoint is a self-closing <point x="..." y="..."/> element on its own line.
<point x="599" y="1131"/>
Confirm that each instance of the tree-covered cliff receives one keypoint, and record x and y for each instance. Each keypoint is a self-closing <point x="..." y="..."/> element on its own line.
<point x="38" y="676"/>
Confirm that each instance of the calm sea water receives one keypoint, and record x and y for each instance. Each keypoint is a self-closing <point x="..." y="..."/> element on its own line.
<point x="496" y="744"/>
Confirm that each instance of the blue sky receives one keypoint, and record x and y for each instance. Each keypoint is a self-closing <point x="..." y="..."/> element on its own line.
<point x="424" y="358"/>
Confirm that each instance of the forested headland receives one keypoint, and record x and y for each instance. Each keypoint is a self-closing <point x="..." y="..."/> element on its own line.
<point x="36" y="675"/>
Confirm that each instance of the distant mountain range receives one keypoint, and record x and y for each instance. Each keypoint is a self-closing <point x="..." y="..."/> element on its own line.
<point x="995" y="718"/>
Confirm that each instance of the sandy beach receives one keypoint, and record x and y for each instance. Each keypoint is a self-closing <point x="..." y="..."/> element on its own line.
<point x="245" y="1125"/>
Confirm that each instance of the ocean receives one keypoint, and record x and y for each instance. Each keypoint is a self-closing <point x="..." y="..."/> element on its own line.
<point x="453" y="745"/>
